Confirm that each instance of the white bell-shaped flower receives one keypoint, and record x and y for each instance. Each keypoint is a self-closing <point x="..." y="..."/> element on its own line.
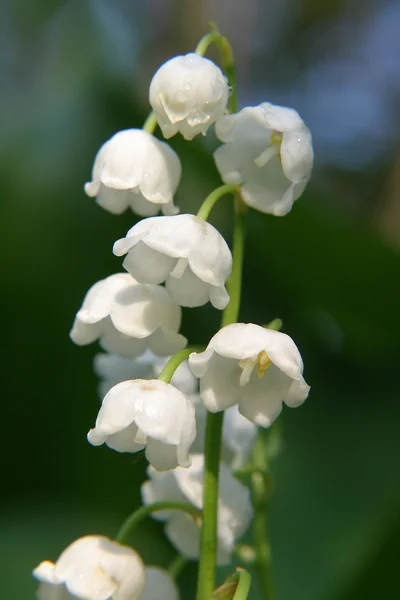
<point x="135" y="170"/>
<point x="254" y="367"/>
<point x="149" y="414"/>
<point x="188" y="93"/>
<point x="127" y="317"/>
<point x="268" y="151"/>
<point x="92" y="568"/>
<point x="189" y="254"/>
<point x="234" y="507"/>
<point x="112" y="369"/>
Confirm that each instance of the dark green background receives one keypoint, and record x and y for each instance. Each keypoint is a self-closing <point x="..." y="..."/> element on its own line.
<point x="330" y="270"/>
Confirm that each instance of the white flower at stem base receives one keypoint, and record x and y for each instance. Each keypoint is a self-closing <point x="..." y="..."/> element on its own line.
<point x="92" y="568"/>
<point x="147" y="414"/>
<point x="112" y="369"/>
<point x="188" y="93"/>
<point x="135" y="170"/>
<point x="128" y="317"/>
<point x="189" y="254"/>
<point x="268" y="151"/>
<point x="234" y="507"/>
<point x="254" y="367"/>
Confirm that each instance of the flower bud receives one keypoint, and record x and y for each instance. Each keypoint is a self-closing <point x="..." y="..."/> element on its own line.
<point x="188" y="93"/>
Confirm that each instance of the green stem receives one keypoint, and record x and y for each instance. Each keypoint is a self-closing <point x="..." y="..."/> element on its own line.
<point x="144" y="511"/>
<point x="177" y="565"/>
<point x="227" y="60"/>
<point x="174" y="362"/>
<point x="212" y="198"/>
<point x="209" y="542"/>
<point x="212" y="450"/>
<point x="260" y="493"/>
<point x="150" y="123"/>
<point x="234" y="283"/>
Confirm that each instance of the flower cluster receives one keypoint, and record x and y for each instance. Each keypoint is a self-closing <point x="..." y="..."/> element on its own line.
<point x="150" y="401"/>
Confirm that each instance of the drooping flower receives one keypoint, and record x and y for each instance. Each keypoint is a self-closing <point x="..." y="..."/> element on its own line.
<point x="268" y="151"/>
<point x="234" y="507"/>
<point x="135" y="170"/>
<point x="254" y="367"/>
<point x="149" y="414"/>
<point x="188" y="93"/>
<point x="127" y="317"/>
<point x="112" y="369"/>
<point x="189" y="254"/>
<point x="92" y="568"/>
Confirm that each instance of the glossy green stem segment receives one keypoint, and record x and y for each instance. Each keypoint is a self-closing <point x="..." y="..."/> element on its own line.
<point x="227" y="60"/>
<point x="174" y="362"/>
<point x="150" y="123"/>
<point x="260" y="493"/>
<point x="212" y="198"/>
<point x="209" y="543"/>
<point x="234" y="283"/>
<point x="145" y="511"/>
<point x="177" y="565"/>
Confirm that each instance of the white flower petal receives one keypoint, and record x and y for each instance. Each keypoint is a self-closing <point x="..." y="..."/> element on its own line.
<point x="99" y="300"/>
<point x="161" y="456"/>
<point x="159" y="584"/>
<point x="115" y="201"/>
<point x="148" y="265"/>
<point x="46" y="572"/>
<point x="297" y="393"/>
<point x="262" y="398"/>
<point x="188" y="290"/>
<point x="83" y="334"/>
<point x="123" y="441"/>
<point x="116" y="342"/>
<point x="219" y="387"/>
<point x="297" y="155"/>
<point x="184" y="534"/>
<point x="164" y="341"/>
<point x="139" y="310"/>
<point x="219" y="297"/>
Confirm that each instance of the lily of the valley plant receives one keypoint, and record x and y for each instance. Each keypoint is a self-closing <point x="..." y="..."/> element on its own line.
<point x="201" y="415"/>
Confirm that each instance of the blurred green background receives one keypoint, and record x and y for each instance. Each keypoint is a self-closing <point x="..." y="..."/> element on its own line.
<point x="73" y="73"/>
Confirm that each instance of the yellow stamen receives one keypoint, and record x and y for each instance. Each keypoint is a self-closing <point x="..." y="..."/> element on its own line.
<point x="263" y="362"/>
<point x="276" y="138"/>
